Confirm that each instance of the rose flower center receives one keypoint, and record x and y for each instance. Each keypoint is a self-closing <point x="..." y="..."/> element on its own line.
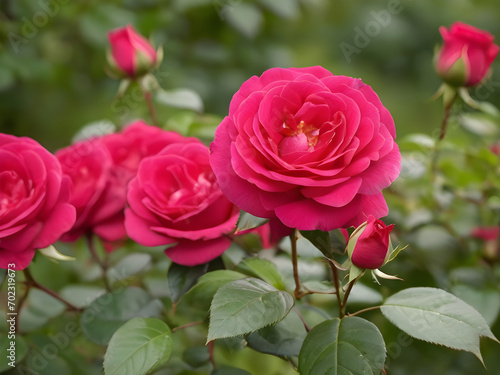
<point x="301" y="139"/>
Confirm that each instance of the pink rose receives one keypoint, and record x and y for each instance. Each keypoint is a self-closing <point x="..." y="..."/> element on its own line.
<point x="466" y="56"/>
<point x="175" y="199"/>
<point x="486" y="233"/>
<point x="370" y="244"/>
<point x="34" y="195"/>
<point x="131" y="54"/>
<point x="88" y="164"/>
<point x="309" y="148"/>
<point x="100" y="170"/>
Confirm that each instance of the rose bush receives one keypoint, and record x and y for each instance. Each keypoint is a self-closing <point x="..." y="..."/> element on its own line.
<point x="100" y="170"/>
<point x="466" y="56"/>
<point x="131" y="54"/>
<point x="369" y="246"/>
<point x="34" y="195"/>
<point x="308" y="147"/>
<point x="175" y="199"/>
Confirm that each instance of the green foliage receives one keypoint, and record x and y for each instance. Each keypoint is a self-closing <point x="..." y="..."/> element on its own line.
<point x="245" y="306"/>
<point x="138" y="347"/>
<point x="107" y="313"/>
<point x="438" y="317"/>
<point x="343" y="346"/>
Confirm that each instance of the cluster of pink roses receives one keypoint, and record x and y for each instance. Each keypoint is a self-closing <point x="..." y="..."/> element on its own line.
<point x="83" y="190"/>
<point x="303" y="147"/>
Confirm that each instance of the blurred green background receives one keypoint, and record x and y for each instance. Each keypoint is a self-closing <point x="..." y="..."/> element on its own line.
<point x="52" y="54"/>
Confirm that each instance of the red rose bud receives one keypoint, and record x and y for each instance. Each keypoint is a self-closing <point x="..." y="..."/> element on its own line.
<point x="466" y="56"/>
<point x="131" y="54"/>
<point x="369" y="244"/>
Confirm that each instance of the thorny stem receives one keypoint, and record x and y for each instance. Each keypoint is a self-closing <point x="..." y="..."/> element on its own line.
<point x="211" y="353"/>
<point x="364" y="310"/>
<point x="337" y="285"/>
<point x="31" y="282"/>
<point x="20" y="305"/>
<point x="442" y="134"/>
<point x="298" y="290"/>
<point x="192" y="324"/>
<point x="95" y="256"/>
<point x="346" y="296"/>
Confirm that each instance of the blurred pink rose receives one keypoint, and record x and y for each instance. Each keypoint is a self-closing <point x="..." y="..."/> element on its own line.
<point x="466" y="56"/>
<point x="309" y="148"/>
<point x="100" y="170"/>
<point x="175" y="199"/>
<point x="34" y="195"/>
<point x="486" y="233"/>
<point x="131" y="53"/>
<point x="371" y="245"/>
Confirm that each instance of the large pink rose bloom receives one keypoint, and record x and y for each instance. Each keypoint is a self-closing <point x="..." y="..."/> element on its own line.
<point x="175" y="199"/>
<point x="34" y="195"/>
<point x="309" y="148"/>
<point x="467" y="54"/>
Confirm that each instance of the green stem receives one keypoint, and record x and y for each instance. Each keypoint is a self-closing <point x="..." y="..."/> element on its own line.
<point x="442" y="134"/>
<point x="335" y="273"/>
<point x="148" y="96"/>
<point x="346" y="296"/>
<point x="306" y="326"/>
<point x="103" y="264"/>
<point x="299" y="293"/>
<point x="364" y="310"/>
<point x="192" y="324"/>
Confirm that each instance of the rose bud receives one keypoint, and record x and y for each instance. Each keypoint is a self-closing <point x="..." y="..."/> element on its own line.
<point x="369" y="244"/>
<point x="466" y="56"/>
<point x="131" y="54"/>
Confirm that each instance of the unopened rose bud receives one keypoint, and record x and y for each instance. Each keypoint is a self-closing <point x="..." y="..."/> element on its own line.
<point x="131" y="54"/>
<point x="369" y="244"/>
<point x="466" y="55"/>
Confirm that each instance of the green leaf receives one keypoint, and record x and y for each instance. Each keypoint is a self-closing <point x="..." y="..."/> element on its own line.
<point x="244" y="17"/>
<point x="200" y="296"/>
<point x="321" y="240"/>
<point x="349" y="346"/>
<point x="81" y="295"/>
<point x="196" y="356"/>
<point x="245" y="306"/>
<point x="106" y="314"/>
<point x="129" y="266"/>
<point x="182" y="278"/>
<point x="285" y="338"/>
<point x="247" y="221"/>
<point x="39" y="309"/>
<point x="263" y="269"/>
<point x="138" y="347"/>
<point x="439" y="317"/>
<point x="282" y="8"/>
<point x="180" y="98"/>
<point x="485" y="300"/>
